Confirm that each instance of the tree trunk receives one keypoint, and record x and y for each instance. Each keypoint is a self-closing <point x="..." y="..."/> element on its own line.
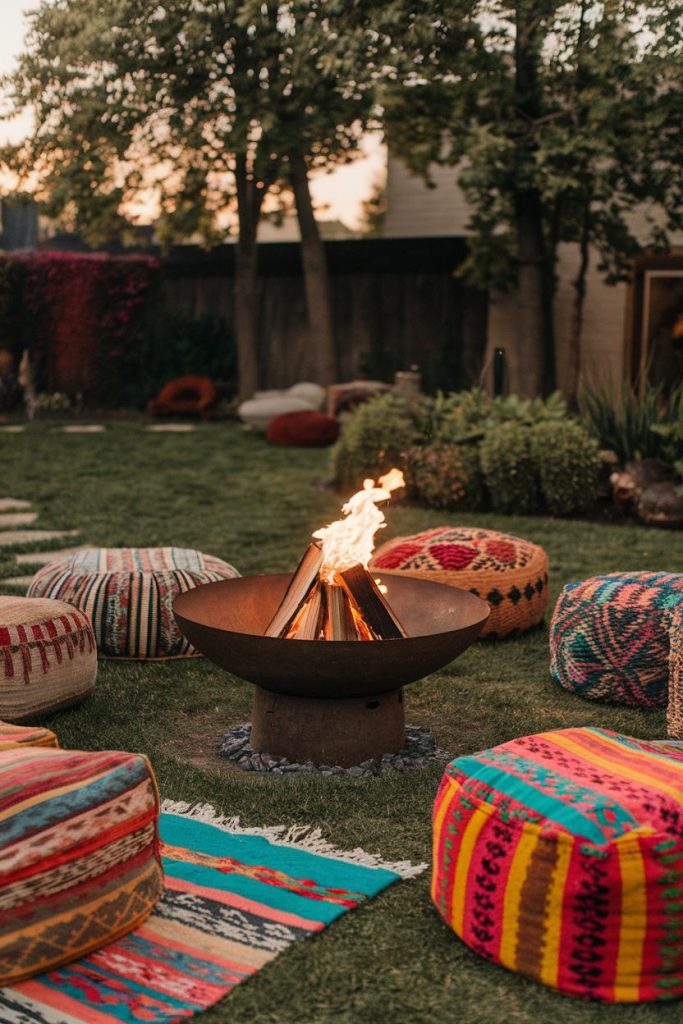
<point x="576" y="326"/>
<point x="532" y="304"/>
<point x="249" y="198"/>
<point x="316" y="277"/>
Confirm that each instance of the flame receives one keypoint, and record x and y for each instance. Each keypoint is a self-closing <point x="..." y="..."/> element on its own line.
<point x="350" y="541"/>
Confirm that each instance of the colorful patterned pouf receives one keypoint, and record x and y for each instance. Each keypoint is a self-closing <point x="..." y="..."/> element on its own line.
<point x="560" y="857"/>
<point x="47" y="656"/>
<point x="18" y="735"/>
<point x="609" y="637"/>
<point x="79" y="854"/>
<point x="128" y="594"/>
<point x="508" y="572"/>
<point x="675" y="706"/>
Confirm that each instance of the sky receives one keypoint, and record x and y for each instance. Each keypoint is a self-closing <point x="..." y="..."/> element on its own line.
<point x="338" y="195"/>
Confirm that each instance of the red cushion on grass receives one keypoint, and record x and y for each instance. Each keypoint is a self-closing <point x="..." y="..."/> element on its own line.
<point x="185" y="396"/>
<point x="303" y="430"/>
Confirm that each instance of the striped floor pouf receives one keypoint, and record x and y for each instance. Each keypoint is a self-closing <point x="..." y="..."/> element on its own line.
<point x="609" y="637"/>
<point x="79" y="854"/>
<point x="128" y="594"/>
<point x="560" y="856"/>
<point x="48" y="658"/>
<point x="18" y="735"/>
<point x="508" y="572"/>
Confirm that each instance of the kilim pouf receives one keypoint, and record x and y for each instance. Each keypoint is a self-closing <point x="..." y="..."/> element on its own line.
<point x="675" y="705"/>
<point x="560" y="857"/>
<point x="508" y="572"/>
<point x="79" y="854"/>
<point x="12" y="735"/>
<point x="128" y="594"/>
<point x="609" y="637"/>
<point x="47" y="656"/>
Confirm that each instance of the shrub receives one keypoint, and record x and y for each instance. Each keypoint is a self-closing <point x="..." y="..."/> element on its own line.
<point x="169" y="347"/>
<point x="635" y="426"/>
<point x="509" y="468"/>
<point x="447" y="476"/>
<point x="467" y="415"/>
<point x="374" y="438"/>
<point x="567" y="463"/>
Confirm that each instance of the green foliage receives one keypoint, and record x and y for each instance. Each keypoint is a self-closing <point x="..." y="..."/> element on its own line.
<point x="466" y="415"/>
<point x="446" y="476"/>
<point x="10" y="393"/>
<point x="510" y="469"/>
<point x="635" y="426"/>
<point x="468" y="452"/>
<point x="571" y="104"/>
<point x="566" y="459"/>
<point x="169" y="347"/>
<point x="374" y="438"/>
<point x="221" y="92"/>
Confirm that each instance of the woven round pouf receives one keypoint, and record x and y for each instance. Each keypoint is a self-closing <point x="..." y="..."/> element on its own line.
<point x="48" y="658"/>
<point x="128" y="594"/>
<point x="674" y="714"/>
<point x="558" y="856"/>
<point x="508" y="572"/>
<point x="609" y="637"/>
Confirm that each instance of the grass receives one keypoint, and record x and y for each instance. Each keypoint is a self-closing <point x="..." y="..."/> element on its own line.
<point x="228" y="493"/>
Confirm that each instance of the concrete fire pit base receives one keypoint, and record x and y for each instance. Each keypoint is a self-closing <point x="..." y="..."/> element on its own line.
<point x="418" y="751"/>
<point x="343" y="731"/>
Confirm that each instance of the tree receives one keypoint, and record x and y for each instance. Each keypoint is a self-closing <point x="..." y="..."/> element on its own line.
<point x="559" y="118"/>
<point x="209" y="105"/>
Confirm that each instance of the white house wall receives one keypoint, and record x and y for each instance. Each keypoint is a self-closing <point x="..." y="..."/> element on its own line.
<point x="414" y="210"/>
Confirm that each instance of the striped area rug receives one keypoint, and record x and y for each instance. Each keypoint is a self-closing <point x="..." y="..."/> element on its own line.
<point x="234" y="899"/>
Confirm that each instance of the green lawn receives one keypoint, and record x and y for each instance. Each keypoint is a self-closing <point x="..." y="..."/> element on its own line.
<point x="230" y="494"/>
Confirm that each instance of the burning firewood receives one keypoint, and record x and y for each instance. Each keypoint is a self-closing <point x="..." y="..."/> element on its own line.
<point x="303" y="581"/>
<point x="332" y="596"/>
<point x="371" y="603"/>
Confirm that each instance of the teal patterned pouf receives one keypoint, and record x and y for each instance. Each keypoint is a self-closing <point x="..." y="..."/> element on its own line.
<point x="609" y="637"/>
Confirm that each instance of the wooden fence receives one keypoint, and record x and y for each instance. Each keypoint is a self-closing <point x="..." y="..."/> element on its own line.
<point x="396" y="303"/>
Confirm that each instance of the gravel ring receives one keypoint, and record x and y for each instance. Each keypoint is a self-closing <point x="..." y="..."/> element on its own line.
<point x="419" y="751"/>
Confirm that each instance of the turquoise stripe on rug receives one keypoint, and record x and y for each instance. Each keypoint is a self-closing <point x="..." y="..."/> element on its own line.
<point x="235" y="898"/>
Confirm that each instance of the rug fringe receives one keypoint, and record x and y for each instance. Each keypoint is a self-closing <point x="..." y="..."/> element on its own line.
<point x="301" y="837"/>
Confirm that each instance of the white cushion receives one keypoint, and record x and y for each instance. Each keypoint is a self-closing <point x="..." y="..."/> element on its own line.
<point x="258" y="412"/>
<point x="312" y="393"/>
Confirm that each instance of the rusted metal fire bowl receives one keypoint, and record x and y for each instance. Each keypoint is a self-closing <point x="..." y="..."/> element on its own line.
<point x="226" y="622"/>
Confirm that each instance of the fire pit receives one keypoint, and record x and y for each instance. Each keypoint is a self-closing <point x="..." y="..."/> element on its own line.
<point x="335" y="698"/>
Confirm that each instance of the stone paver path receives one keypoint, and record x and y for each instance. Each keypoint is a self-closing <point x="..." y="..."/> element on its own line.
<point x="171" y="428"/>
<point x="8" y="538"/>
<point x="13" y="519"/>
<point x="20" y="582"/>
<point x="84" y="428"/>
<point x="13" y="504"/>
<point x="45" y="557"/>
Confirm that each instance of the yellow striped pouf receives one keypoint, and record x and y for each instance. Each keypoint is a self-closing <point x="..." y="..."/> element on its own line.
<point x="559" y="856"/>
<point x="48" y="658"/>
<point x="128" y="594"/>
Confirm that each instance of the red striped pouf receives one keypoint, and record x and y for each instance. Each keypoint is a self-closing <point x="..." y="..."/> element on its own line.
<point x="128" y="594"/>
<point x="48" y="658"/>
<point x="26" y="735"/>
<point x="79" y="856"/>
<point x="559" y="856"/>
